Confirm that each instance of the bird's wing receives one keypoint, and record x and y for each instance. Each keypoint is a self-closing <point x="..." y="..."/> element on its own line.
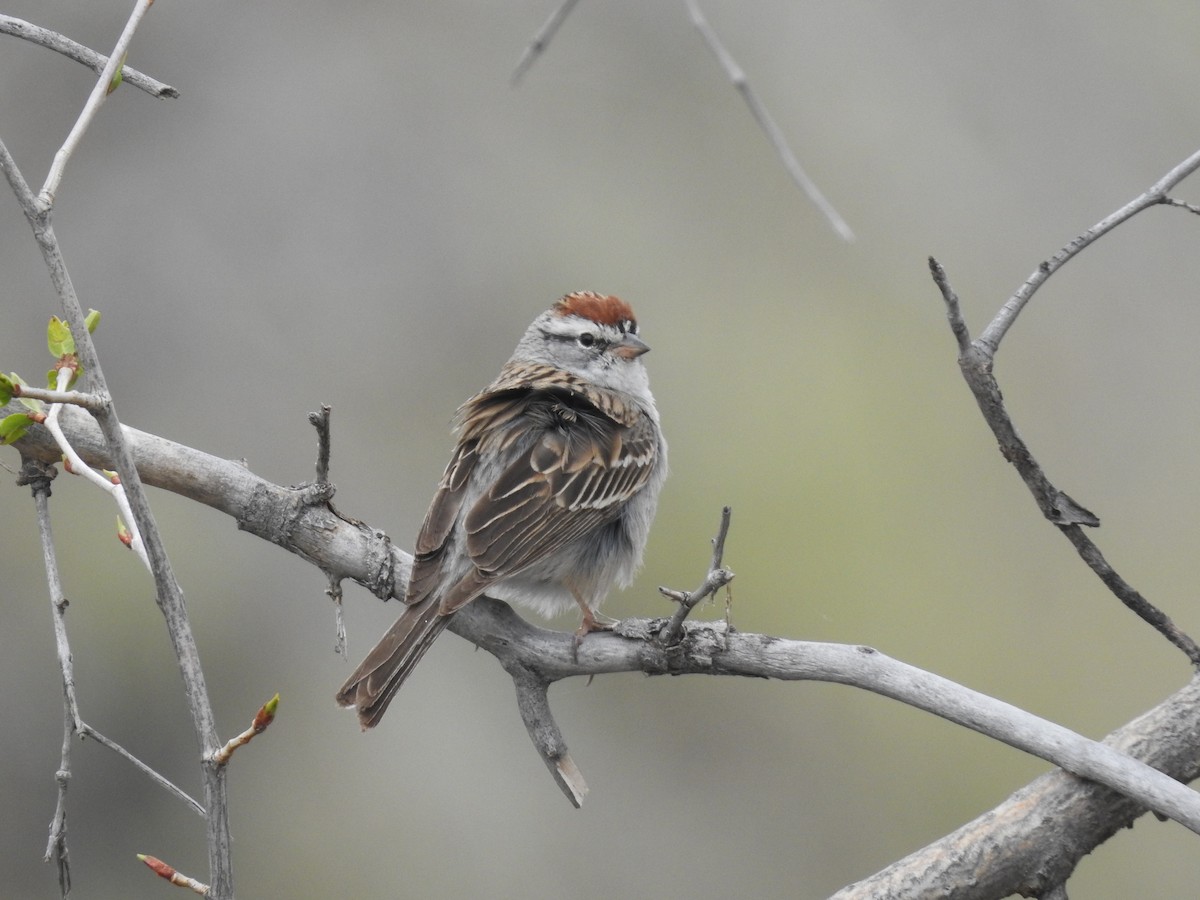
<point x="580" y="468"/>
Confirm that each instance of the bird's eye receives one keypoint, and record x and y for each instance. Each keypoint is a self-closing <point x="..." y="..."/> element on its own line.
<point x="587" y="339"/>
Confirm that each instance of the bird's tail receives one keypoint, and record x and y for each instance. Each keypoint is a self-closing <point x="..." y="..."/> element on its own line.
<point x="371" y="688"/>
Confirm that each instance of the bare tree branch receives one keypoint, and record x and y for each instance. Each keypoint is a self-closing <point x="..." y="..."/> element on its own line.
<point x="1042" y="853"/>
<point x="102" y="89"/>
<point x="52" y="40"/>
<point x="767" y="123"/>
<point x="1154" y="195"/>
<point x="737" y="77"/>
<point x="1047" y="827"/>
<point x="38" y="476"/>
<point x="298" y="520"/>
<point x="976" y="360"/>
<point x="168" y="593"/>
<point x="87" y="400"/>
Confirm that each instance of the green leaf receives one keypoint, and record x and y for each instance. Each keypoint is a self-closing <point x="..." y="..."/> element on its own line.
<point x="13" y="428"/>
<point x="6" y="389"/>
<point x="92" y="320"/>
<point x="27" y="402"/>
<point x="118" y="76"/>
<point x="58" y="338"/>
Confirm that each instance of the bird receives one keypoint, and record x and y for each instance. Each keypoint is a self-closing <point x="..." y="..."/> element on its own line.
<point x="549" y="494"/>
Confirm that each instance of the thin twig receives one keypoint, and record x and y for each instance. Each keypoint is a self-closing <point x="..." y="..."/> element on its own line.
<point x="1127" y="594"/>
<point x="86" y="730"/>
<point x="976" y="365"/>
<point x="958" y="325"/>
<point x="976" y="361"/>
<point x="168" y="593"/>
<point x="765" y="121"/>
<point x="715" y="579"/>
<point x="34" y="474"/>
<point x="541" y="40"/>
<point x="16" y="181"/>
<point x="321" y="422"/>
<point x="112" y="487"/>
<point x="341" y="644"/>
<point x="94" y="101"/>
<point x="84" y="399"/>
<point x="52" y="40"/>
<point x="1190" y="207"/>
<point x="1156" y="194"/>
<point x="38" y="476"/>
<point x="56" y="845"/>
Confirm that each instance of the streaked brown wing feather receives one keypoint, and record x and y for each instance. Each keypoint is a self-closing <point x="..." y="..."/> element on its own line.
<point x="592" y="450"/>
<point x="575" y="478"/>
<point x="439" y="522"/>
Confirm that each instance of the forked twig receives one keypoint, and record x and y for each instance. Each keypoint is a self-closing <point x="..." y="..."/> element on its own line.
<point x="168" y="593"/>
<point x="716" y="578"/>
<point x="37" y="476"/>
<point x="100" y="91"/>
<point x="976" y="359"/>
<point x="1154" y="195"/>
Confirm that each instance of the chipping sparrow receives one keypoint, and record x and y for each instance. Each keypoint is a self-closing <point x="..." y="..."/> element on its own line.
<point x="548" y="497"/>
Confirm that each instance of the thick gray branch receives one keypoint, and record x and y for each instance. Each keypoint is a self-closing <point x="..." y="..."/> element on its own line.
<point x="1035" y="838"/>
<point x="298" y="520"/>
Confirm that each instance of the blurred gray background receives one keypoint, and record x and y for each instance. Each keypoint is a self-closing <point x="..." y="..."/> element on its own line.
<point x="350" y="205"/>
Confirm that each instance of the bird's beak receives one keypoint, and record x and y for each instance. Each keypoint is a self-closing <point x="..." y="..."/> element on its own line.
<point x="630" y="347"/>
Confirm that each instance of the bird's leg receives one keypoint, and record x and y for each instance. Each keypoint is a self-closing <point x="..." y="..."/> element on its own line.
<point x="590" y="622"/>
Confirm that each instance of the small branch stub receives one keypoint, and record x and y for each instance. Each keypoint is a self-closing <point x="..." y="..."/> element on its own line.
<point x="320" y="421"/>
<point x="533" y="703"/>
